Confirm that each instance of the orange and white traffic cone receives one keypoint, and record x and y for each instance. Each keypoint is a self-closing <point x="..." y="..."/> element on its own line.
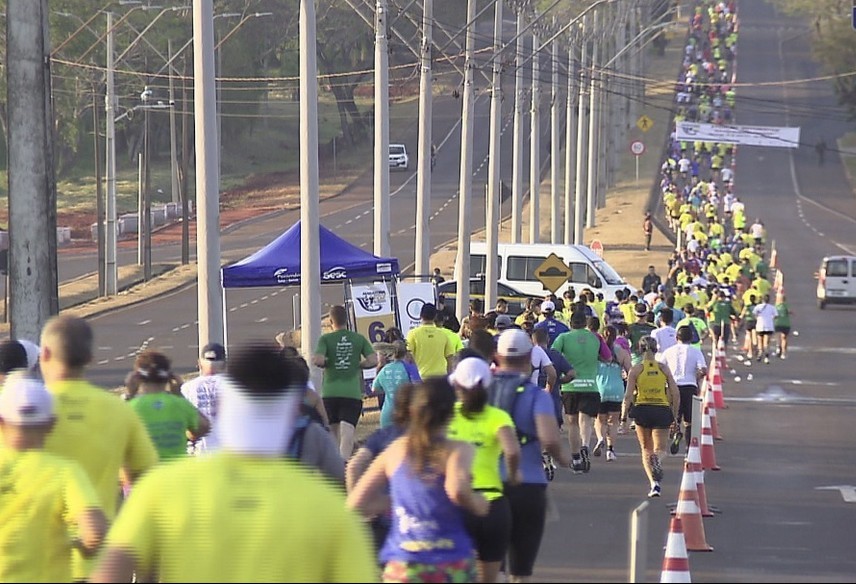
<point x="708" y="403"/>
<point x="694" y="458"/>
<point x="719" y="351"/>
<point x="689" y="513"/>
<point x="708" y="454"/>
<point x="676" y="563"/>
<point x="716" y="385"/>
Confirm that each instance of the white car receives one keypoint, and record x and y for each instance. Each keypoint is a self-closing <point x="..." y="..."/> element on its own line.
<point x="398" y="158"/>
<point x="836" y="280"/>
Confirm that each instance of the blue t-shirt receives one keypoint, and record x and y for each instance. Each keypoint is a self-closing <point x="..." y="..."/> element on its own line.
<point x="554" y="328"/>
<point x="531" y="402"/>
<point x="383" y="437"/>
<point x="388" y="380"/>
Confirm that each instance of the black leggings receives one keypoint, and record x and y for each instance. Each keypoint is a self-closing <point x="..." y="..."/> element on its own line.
<point x="685" y="411"/>
<point x="490" y="533"/>
<point x="528" y="517"/>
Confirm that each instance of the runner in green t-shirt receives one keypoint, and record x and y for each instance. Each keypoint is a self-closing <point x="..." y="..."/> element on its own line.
<point x="342" y="354"/>
<point x="169" y="419"/>
<point x="580" y="397"/>
<point x="721" y="314"/>
<point x="782" y="324"/>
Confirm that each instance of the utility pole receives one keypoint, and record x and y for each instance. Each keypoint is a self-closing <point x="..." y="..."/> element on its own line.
<point x="570" y="137"/>
<point x="32" y="190"/>
<point x="594" y="109"/>
<point x="381" y="133"/>
<point x="517" y="153"/>
<point x="184" y="184"/>
<point x="494" y="192"/>
<point x="310" y="259"/>
<point x="147" y="200"/>
<point x="582" y="125"/>
<point x="99" y="191"/>
<point x="462" y="262"/>
<point x="111" y="274"/>
<point x="173" y="156"/>
<point x="209" y="291"/>
<point x="535" y="147"/>
<point x="426" y="141"/>
<point x="555" y="163"/>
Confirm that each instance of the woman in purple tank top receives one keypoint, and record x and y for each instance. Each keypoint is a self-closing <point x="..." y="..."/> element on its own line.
<point x="425" y="479"/>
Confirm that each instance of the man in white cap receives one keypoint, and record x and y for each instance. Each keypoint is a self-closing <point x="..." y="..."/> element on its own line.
<point x="534" y="418"/>
<point x="44" y="497"/>
<point x="266" y="518"/>
<point x="203" y="391"/>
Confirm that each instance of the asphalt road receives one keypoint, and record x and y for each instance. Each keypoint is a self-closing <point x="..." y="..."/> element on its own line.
<point x="788" y="433"/>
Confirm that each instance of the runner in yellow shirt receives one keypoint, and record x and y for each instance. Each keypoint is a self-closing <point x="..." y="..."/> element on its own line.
<point x="43" y="498"/>
<point x="94" y="428"/>
<point x="246" y="513"/>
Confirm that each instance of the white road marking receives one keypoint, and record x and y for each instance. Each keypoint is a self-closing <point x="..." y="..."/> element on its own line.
<point x="144" y="322"/>
<point x="244" y="305"/>
<point x="834" y="350"/>
<point x="105" y="348"/>
<point x="262" y="319"/>
<point x="848" y="492"/>
<point x="103" y="361"/>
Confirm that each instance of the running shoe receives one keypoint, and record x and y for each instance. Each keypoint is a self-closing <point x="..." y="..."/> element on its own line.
<point x="766" y="360"/>
<point x="622" y="429"/>
<point x="656" y="468"/>
<point x="598" y="448"/>
<point x="549" y="466"/>
<point x="675" y="445"/>
<point x="584" y="456"/>
<point x="577" y="466"/>
<point x="610" y="456"/>
<point x="655" y="490"/>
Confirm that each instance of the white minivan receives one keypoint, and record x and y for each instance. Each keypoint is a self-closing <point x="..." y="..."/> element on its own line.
<point x="519" y="261"/>
<point x="836" y="280"/>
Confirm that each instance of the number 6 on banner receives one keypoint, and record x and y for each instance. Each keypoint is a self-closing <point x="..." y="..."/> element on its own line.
<point x="376" y="331"/>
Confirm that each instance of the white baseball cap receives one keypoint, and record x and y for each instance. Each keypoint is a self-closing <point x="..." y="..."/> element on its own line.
<point x="471" y="372"/>
<point x="513" y="343"/>
<point x="548" y="306"/>
<point x="32" y="350"/>
<point x="25" y="401"/>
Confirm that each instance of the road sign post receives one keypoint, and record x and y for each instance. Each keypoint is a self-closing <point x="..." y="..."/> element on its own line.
<point x="552" y="273"/>
<point x="597" y="247"/>
<point x="637" y="148"/>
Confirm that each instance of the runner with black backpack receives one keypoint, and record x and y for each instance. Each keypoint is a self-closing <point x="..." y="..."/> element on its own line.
<point x="531" y="408"/>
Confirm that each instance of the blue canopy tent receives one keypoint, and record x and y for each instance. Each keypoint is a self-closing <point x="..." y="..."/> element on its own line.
<point x="278" y="263"/>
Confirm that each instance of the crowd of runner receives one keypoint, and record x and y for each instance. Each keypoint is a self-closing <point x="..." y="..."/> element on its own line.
<point x="247" y="472"/>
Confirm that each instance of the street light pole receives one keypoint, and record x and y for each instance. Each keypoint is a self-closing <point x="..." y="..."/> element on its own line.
<point x="111" y="275"/>
<point x="310" y="260"/>
<point x="462" y="262"/>
<point x="517" y="151"/>
<point x="381" y="133"/>
<point x="209" y="289"/>
<point x="494" y="186"/>
<point x="426" y="141"/>
<point x="535" y="149"/>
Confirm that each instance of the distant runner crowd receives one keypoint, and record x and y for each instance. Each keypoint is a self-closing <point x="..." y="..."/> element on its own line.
<point x="248" y="472"/>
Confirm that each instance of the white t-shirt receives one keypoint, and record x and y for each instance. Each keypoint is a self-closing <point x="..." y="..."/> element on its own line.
<point x="539" y="361"/>
<point x="757" y="230"/>
<point x="727" y="174"/>
<point x="684" y="361"/>
<point x="666" y="336"/>
<point x="203" y="393"/>
<point x="764" y="315"/>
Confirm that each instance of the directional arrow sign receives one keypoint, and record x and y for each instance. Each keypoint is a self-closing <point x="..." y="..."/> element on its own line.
<point x="848" y="492"/>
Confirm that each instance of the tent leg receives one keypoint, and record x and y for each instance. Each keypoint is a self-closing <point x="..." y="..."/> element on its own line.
<point x="225" y="321"/>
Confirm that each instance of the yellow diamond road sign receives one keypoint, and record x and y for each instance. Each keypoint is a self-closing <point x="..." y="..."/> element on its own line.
<point x="644" y="123"/>
<point x="553" y="273"/>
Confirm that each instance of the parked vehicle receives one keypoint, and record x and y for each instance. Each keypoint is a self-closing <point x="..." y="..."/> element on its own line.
<point x="515" y="298"/>
<point x="836" y="280"/>
<point x="518" y="263"/>
<point x="398" y="158"/>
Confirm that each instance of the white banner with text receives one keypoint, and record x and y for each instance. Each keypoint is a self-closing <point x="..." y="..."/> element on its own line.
<point x="776" y="136"/>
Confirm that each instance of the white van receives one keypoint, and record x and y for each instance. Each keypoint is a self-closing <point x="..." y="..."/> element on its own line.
<point x="518" y="262"/>
<point x="836" y="280"/>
